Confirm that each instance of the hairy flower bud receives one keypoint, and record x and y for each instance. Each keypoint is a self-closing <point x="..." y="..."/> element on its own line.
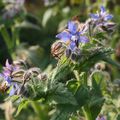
<point x="42" y="76"/>
<point x="100" y="66"/>
<point x="109" y="27"/>
<point x="20" y="63"/>
<point x="58" y="49"/>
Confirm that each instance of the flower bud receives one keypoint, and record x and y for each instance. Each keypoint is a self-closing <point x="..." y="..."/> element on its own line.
<point x="68" y="53"/>
<point x="42" y="76"/>
<point x="109" y="27"/>
<point x="58" y="49"/>
<point x="73" y="56"/>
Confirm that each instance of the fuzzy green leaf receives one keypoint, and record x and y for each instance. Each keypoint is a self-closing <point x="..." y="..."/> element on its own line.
<point x="61" y="95"/>
<point x="93" y="56"/>
<point x="23" y="104"/>
<point x="63" y="112"/>
<point x="82" y="95"/>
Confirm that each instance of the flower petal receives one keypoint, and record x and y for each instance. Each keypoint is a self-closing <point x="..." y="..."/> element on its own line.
<point x="94" y="16"/>
<point x="73" y="27"/>
<point x="12" y="91"/>
<point x="102" y="9"/>
<point x="72" y="45"/>
<point x="108" y="17"/>
<point x="65" y="36"/>
<point x="7" y="64"/>
<point x="6" y="73"/>
<point x="8" y="79"/>
<point x="83" y="39"/>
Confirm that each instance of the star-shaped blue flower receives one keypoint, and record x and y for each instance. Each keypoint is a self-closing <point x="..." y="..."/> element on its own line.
<point x="73" y="35"/>
<point x="101" y="16"/>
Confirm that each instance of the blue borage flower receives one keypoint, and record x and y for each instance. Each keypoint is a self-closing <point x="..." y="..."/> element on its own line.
<point x="101" y="17"/>
<point x="6" y="75"/>
<point x="73" y="35"/>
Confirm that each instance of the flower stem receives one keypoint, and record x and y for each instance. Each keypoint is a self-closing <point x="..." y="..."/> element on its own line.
<point x="98" y="42"/>
<point x="87" y="113"/>
<point x="14" y="37"/>
<point x="6" y="37"/>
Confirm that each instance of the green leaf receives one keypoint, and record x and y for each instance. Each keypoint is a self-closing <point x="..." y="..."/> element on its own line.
<point x="37" y="88"/>
<point x="99" y="81"/>
<point x="61" y="95"/>
<point x="40" y="110"/>
<point x="82" y="95"/>
<point x="14" y="98"/>
<point x="22" y="105"/>
<point x="110" y="61"/>
<point x="47" y="16"/>
<point x="95" y="106"/>
<point x="6" y="36"/>
<point x="61" y="71"/>
<point x="73" y="85"/>
<point x="96" y="99"/>
<point x="94" y="55"/>
<point x="118" y="117"/>
<point x="63" y="112"/>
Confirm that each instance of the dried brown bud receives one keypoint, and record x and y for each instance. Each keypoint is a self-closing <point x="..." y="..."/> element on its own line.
<point x="58" y="49"/>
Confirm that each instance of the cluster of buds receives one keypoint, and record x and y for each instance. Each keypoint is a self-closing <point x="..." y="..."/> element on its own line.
<point x="78" y="34"/>
<point x="12" y="8"/>
<point x="16" y="76"/>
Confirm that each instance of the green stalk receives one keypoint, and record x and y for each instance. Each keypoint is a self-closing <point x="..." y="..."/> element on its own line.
<point x="99" y="42"/>
<point x="87" y="113"/>
<point x="38" y="110"/>
<point x="85" y="78"/>
<point x="6" y="37"/>
<point x="15" y="37"/>
<point x="76" y="73"/>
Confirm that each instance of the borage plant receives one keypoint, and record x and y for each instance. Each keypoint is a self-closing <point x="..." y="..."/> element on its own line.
<point x="76" y="89"/>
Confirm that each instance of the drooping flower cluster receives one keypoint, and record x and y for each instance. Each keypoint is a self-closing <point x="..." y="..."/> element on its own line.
<point x="102" y="19"/>
<point x="15" y="77"/>
<point x="73" y="36"/>
<point x="13" y="8"/>
<point x="76" y="34"/>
